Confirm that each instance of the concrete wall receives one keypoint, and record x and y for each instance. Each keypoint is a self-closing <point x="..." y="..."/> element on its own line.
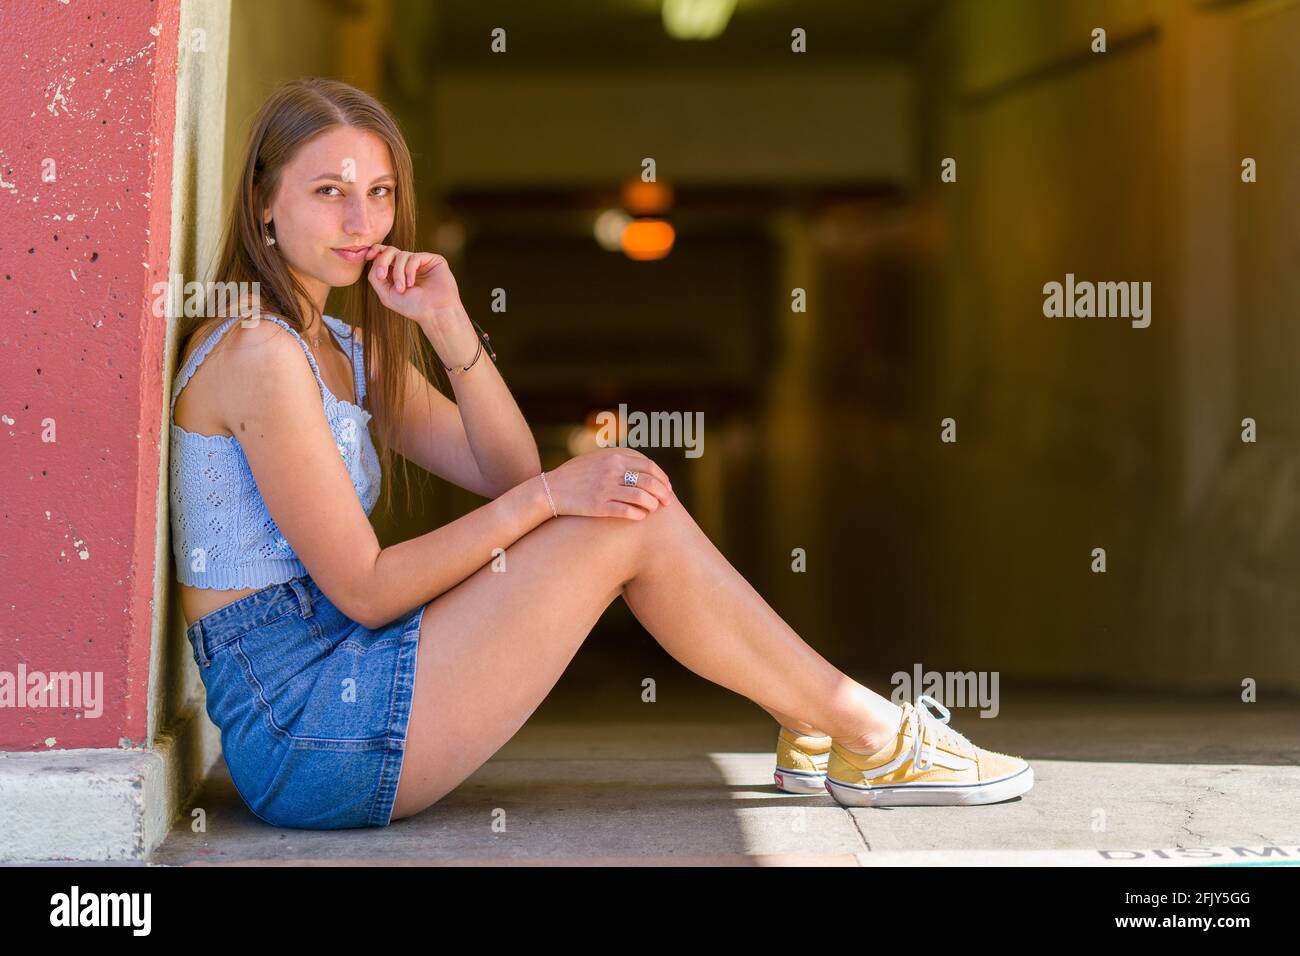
<point x="198" y="187"/>
<point x="1084" y="433"/>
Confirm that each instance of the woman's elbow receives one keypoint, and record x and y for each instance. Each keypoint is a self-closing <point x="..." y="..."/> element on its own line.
<point x="358" y="604"/>
<point x="367" y="617"/>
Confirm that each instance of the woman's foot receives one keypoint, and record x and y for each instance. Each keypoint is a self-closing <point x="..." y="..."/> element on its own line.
<point x="927" y="763"/>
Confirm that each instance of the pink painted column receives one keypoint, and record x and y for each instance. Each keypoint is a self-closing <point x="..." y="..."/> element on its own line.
<point x="87" y="116"/>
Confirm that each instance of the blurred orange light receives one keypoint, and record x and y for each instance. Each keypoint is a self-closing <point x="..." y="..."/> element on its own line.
<point x="647" y="199"/>
<point x="648" y="239"/>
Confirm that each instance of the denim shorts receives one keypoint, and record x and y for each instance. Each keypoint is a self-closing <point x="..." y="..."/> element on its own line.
<point x="312" y="707"/>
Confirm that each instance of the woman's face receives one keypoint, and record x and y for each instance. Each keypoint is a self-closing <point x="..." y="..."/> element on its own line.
<point x="336" y="193"/>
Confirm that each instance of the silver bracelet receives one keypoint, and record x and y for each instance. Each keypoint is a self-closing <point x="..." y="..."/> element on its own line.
<point x="548" y="495"/>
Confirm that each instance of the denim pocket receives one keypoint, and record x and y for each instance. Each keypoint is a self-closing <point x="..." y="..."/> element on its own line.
<point x="280" y="661"/>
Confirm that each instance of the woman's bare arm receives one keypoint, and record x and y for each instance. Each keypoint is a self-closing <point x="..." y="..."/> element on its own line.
<point x="275" y="411"/>
<point x="412" y="572"/>
<point x="483" y="430"/>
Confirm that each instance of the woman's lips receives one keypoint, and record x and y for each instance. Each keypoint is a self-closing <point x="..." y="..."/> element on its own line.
<point x="358" y="255"/>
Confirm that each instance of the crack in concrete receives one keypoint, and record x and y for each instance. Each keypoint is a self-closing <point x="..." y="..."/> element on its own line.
<point x="1206" y="788"/>
<point x="857" y="829"/>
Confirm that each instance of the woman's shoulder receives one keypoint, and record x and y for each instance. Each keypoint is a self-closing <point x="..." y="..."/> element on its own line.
<point x="249" y="352"/>
<point x="238" y="330"/>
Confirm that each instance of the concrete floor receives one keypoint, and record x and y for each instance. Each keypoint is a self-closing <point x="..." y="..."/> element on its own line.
<point x="1136" y="775"/>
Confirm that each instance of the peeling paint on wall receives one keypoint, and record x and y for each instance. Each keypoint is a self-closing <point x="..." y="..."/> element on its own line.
<point x="88" y="105"/>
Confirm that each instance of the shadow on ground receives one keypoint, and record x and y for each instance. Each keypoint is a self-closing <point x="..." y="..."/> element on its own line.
<point x="599" y="776"/>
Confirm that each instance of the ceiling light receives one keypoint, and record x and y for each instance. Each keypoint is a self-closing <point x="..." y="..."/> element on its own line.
<point x="696" y="19"/>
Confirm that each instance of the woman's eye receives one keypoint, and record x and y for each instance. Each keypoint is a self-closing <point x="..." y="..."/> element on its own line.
<point x="388" y="189"/>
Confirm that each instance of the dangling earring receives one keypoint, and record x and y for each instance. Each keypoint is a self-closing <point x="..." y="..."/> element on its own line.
<point x="267" y="237"/>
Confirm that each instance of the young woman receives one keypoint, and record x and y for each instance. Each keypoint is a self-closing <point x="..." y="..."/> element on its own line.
<point x="354" y="685"/>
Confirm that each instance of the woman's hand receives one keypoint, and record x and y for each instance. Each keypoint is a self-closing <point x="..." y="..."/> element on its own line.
<point x="414" y="284"/>
<point x="592" y="484"/>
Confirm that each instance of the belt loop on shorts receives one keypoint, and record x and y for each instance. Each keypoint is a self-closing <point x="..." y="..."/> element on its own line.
<point x="200" y="645"/>
<point x="304" y="597"/>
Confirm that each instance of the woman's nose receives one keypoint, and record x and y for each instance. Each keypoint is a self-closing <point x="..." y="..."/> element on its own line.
<point x="357" y="219"/>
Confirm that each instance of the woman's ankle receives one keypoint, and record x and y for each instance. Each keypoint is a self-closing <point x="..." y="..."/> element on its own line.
<point x="882" y="732"/>
<point x="866" y="744"/>
<point x="800" y="732"/>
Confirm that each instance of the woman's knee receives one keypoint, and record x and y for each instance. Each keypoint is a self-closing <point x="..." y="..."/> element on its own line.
<point x="625" y="543"/>
<point x="660" y="530"/>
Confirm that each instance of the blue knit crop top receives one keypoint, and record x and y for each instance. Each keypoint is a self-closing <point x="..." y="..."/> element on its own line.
<point x="222" y="535"/>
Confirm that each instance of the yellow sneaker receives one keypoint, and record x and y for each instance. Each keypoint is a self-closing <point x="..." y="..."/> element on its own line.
<point x="927" y="764"/>
<point x="801" y="762"/>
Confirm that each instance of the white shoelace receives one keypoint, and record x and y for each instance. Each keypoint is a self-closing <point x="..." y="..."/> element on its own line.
<point x="921" y="719"/>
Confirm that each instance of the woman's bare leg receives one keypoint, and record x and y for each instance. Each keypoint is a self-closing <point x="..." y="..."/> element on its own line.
<point x="794" y="723"/>
<point x="492" y="647"/>
<point x="708" y="617"/>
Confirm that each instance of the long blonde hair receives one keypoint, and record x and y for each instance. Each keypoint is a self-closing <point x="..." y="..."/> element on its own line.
<point x="294" y="114"/>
